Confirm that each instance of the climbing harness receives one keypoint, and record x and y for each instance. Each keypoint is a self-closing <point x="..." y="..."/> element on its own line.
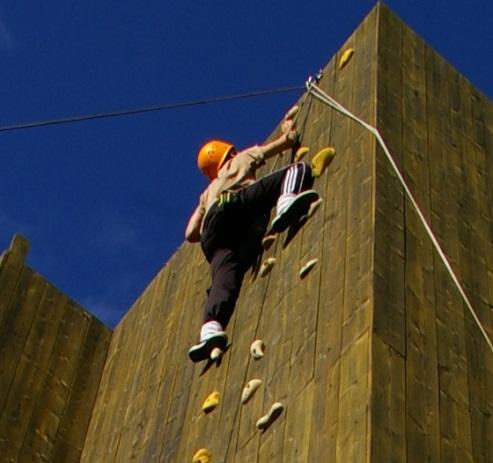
<point x="315" y="91"/>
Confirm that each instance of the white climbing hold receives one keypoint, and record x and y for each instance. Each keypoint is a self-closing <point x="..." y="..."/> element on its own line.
<point x="307" y="267"/>
<point x="300" y="153"/>
<point x="257" y="349"/>
<point x="202" y="456"/>
<point x="274" y="413"/>
<point x="314" y="207"/>
<point x="268" y="240"/>
<point x="267" y="266"/>
<point x="216" y="354"/>
<point x="249" y="390"/>
<point x="211" y="402"/>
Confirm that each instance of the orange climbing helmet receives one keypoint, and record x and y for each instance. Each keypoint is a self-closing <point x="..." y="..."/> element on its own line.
<point x="212" y="156"/>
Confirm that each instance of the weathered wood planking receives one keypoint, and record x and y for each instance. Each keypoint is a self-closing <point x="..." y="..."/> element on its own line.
<point x="33" y="348"/>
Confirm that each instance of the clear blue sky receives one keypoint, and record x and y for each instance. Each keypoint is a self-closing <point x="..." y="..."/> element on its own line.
<point x="104" y="203"/>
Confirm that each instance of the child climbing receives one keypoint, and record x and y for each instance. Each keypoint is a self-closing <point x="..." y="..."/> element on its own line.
<point x="231" y="219"/>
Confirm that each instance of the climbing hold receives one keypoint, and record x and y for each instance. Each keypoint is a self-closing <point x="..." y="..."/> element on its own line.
<point x="211" y="402"/>
<point x="257" y="349"/>
<point x="267" y="266"/>
<point x="307" y="267"/>
<point x="346" y="56"/>
<point x="249" y="390"/>
<point x="322" y="160"/>
<point x="313" y="207"/>
<point x="274" y="413"/>
<point x="202" y="456"/>
<point x="216" y="354"/>
<point x="268" y="240"/>
<point x="300" y="153"/>
<point x="292" y="112"/>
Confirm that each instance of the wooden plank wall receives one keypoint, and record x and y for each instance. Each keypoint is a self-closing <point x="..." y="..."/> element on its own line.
<point x="51" y="358"/>
<point x="432" y="373"/>
<point x="317" y="330"/>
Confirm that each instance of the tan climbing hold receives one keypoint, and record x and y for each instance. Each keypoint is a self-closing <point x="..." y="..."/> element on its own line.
<point x="300" y="153"/>
<point x="274" y="413"/>
<point x="322" y="160"/>
<point x="292" y="112"/>
<point x="249" y="390"/>
<point x="257" y="349"/>
<point x="202" y="456"/>
<point x="267" y="266"/>
<point x="346" y="56"/>
<point x="216" y="354"/>
<point x="314" y="207"/>
<point x="307" y="267"/>
<point x="268" y="240"/>
<point x="211" y="402"/>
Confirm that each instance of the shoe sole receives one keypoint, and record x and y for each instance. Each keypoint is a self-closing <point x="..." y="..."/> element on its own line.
<point x="295" y="211"/>
<point x="204" y="351"/>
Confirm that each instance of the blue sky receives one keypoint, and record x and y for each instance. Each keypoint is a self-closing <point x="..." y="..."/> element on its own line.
<point x="104" y="203"/>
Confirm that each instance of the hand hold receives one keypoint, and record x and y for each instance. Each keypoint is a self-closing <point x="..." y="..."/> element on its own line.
<point x="202" y="456"/>
<point x="216" y="354"/>
<point x="274" y="413"/>
<point x="322" y="160"/>
<point x="300" y="153"/>
<point x="307" y="267"/>
<point x="346" y="56"/>
<point x="267" y="266"/>
<point x="268" y="240"/>
<point x="257" y="349"/>
<point x="211" y="402"/>
<point x="249" y="390"/>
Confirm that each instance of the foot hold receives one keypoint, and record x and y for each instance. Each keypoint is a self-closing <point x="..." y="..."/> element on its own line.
<point x="300" y="153"/>
<point x="346" y="56"/>
<point x="216" y="354"/>
<point x="322" y="160"/>
<point x="307" y="267"/>
<point x="249" y="390"/>
<point x="268" y="240"/>
<point x="274" y="413"/>
<point x="257" y="349"/>
<point x="202" y="456"/>
<point x="267" y="266"/>
<point x="211" y="402"/>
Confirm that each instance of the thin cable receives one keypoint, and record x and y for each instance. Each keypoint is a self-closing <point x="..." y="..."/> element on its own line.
<point x="147" y="109"/>
<point x="314" y="90"/>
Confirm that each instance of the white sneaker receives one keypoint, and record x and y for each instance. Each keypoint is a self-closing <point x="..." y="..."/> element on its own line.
<point x="211" y="336"/>
<point x="291" y="207"/>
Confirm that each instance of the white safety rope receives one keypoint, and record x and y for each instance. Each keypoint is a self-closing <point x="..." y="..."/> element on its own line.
<point x="320" y="95"/>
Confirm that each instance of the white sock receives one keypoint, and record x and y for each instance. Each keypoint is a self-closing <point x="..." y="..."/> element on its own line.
<point x="209" y="329"/>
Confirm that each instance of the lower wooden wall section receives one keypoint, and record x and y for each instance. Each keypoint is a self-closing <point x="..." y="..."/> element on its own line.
<point x="52" y="354"/>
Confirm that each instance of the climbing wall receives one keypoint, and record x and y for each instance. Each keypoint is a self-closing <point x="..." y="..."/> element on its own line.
<point x="52" y="355"/>
<point x="432" y="378"/>
<point x="317" y="330"/>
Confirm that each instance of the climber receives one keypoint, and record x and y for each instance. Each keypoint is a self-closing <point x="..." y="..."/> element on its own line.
<point x="232" y="216"/>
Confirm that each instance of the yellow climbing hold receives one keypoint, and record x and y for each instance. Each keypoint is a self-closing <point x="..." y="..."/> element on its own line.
<point x="346" y="56"/>
<point x="267" y="266"/>
<point x="202" y="456"/>
<point x="300" y="153"/>
<point x="307" y="267"/>
<point x="268" y="240"/>
<point x="322" y="160"/>
<point x="211" y="402"/>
